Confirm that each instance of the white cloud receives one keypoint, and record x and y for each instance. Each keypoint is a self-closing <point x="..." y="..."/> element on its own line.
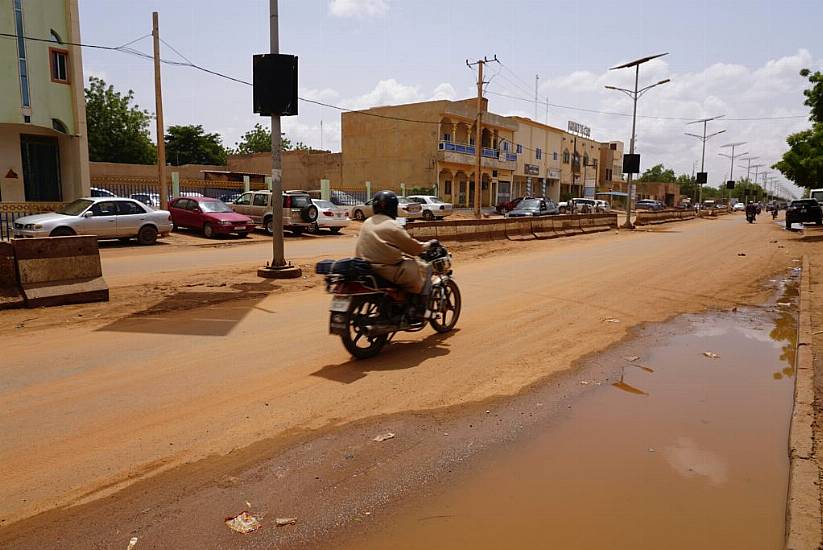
<point x="358" y="8"/>
<point x="444" y="90"/>
<point x="386" y="92"/>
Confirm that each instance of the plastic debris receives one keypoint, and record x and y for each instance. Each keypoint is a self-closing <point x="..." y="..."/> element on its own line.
<point x="632" y="358"/>
<point x="711" y="355"/>
<point x="243" y="522"/>
<point x="248" y="504"/>
<point x="610" y="320"/>
<point x="132" y="543"/>
<point x="285" y="521"/>
<point x="651" y="450"/>
<point x="383" y="437"/>
<point x="584" y="382"/>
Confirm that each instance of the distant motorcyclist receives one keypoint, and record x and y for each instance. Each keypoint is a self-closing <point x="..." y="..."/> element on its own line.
<point x="751" y="212"/>
<point x="392" y="252"/>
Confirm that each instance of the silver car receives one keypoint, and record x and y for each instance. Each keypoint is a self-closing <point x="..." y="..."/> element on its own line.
<point x="405" y="209"/>
<point x="103" y="217"/>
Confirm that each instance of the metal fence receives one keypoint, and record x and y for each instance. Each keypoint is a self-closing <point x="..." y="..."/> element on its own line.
<point x="11" y="211"/>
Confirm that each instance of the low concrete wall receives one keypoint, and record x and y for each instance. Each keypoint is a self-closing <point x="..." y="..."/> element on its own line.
<point x="59" y="270"/>
<point x="663" y="216"/>
<point x="10" y="295"/>
<point x="514" y="229"/>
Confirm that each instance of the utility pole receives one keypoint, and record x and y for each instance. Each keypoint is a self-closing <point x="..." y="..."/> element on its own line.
<point x="704" y="138"/>
<point x="278" y="268"/>
<point x="158" y="107"/>
<point x="478" y="145"/>
<point x="635" y="95"/>
<point x="748" y="166"/>
<point x="536" y="80"/>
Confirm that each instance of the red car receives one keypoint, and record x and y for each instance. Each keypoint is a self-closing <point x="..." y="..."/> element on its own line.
<point x="506" y="206"/>
<point x="211" y="216"/>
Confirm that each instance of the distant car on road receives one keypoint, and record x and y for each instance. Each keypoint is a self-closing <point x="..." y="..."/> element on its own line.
<point x="405" y="209"/>
<point x="100" y="192"/>
<point x="739" y="207"/>
<point x="601" y="205"/>
<point x="804" y="210"/>
<point x="534" y="207"/>
<point x="433" y="207"/>
<point x="649" y="204"/>
<point x="210" y="216"/>
<point x="329" y="216"/>
<point x="103" y="217"/>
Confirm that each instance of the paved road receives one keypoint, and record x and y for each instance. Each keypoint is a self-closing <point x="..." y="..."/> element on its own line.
<point x="88" y="408"/>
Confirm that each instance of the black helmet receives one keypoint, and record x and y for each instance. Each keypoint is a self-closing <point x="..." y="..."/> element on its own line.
<point x="385" y="202"/>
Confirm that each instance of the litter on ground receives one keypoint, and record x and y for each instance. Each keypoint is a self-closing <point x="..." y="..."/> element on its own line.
<point x="132" y="543"/>
<point x="285" y="521"/>
<point x="611" y="320"/>
<point x="243" y="522"/>
<point x="383" y="437"/>
<point x="632" y="358"/>
<point x="711" y="355"/>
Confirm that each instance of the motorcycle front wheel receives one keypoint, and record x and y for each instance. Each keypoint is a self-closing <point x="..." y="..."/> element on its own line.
<point x="362" y="315"/>
<point x="445" y="307"/>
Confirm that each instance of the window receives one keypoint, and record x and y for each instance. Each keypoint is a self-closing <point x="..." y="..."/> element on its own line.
<point x="447" y="188"/>
<point x="59" y="61"/>
<point x="261" y="199"/>
<point x="244" y="199"/>
<point x="127" y="208"/>
<point x="554" y="155"/>
<point x="538" y="154"/>
<point x="108" y="208"/>
<point x="565" y="156"/>
<point x="21" y="55"/>
<point x="613" y="146"/>
<point x="58" y="125"/>
<point x="608" y="174"/>
<point x="519" y="149"/>
<point x="447" y="137"/>
<point x="506" y="146"/>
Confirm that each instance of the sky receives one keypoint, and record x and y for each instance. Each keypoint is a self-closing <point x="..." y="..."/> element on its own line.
<point x="735" y="58"/>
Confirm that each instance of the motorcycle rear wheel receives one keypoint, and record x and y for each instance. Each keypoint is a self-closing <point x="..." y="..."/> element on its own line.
<point x="364" y="313"/>
<point x="447" y="307"/>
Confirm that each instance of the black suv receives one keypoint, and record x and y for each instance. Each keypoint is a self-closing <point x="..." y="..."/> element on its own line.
<point x="803" y="210"/>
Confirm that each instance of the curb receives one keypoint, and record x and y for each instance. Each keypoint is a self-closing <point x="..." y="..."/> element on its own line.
<point x="803" y="510"/>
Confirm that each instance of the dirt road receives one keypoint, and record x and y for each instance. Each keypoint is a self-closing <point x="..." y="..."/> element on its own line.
<point x="92" y="405"/>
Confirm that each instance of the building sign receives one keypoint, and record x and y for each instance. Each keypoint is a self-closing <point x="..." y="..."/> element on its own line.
<point x="554" y="174"/>
<point x="532" y="169"/>
<point x="577" y="128"/>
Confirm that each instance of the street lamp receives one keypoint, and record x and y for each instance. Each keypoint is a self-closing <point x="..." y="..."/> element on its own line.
<point x="635" y="95"/>
<point x="732" y="157"/>
<point x="704" y="138"/>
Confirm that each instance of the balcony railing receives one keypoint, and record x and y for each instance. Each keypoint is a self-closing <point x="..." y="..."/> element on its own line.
<point x="487" y="152"/>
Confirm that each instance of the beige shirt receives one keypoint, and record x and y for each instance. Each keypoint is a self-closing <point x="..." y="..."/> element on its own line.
<point x="383" y="242"/>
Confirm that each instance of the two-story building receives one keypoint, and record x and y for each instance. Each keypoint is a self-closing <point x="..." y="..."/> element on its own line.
<point x="611" y="162"/>
<point x="429" y="146"/>
<point x="43" y="142"/>
<point x="539" y="167"/>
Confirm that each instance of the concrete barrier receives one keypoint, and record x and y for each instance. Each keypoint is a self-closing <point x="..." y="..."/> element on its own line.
<point x="10" y="294"/>
<point x="515" y="229"/>
<point x="647" y="217"/>
<point x="60" y="270"/>
<point x="519" y="229"/>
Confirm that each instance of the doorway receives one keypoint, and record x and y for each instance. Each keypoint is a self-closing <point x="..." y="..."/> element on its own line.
<point x="41" y="168"/>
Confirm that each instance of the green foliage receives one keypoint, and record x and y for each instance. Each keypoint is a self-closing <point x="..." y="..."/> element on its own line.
<point x="117" y="131"/>
<point x="803" y="162"/>
<point x="258" y="140"/>
<point x="658" y="173"/>
<point x="192" y="145"/>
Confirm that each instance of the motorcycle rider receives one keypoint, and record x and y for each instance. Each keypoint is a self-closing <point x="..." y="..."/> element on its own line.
<point x="392" y="252"/>
<point x="751" y="210"/>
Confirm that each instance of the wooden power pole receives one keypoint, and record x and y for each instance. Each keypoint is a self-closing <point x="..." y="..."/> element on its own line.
<point x="158" y="101"/>
<point x="478" y="143"/>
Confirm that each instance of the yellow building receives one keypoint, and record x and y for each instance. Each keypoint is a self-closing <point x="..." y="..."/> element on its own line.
<point x="43" y="142"/>
<point x="611" y="162"/>
<point x="428" y="147"/>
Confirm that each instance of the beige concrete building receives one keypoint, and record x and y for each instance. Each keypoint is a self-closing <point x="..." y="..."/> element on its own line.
<point x="611" y="163"/>
<point x="302" y="169"/>
<point x="43" y="141"/>
<point x="539" y="162"/>
<point x="429" y="146"/>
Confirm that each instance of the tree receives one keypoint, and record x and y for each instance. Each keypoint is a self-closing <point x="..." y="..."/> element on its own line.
<point x="117" y="131"/>
<point x="688" y="186"/>
<point x="658" y="173"/>
<point x="192" y="145"/>
<point x="258" y="140"/>
<point x="803" y="162"/>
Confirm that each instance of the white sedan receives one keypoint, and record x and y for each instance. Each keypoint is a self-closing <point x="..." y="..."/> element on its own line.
<point x="433" y="208"/>
<point x="103" y="217"/>
<point x="739" y="207"/>
<point x="329" y="217"/>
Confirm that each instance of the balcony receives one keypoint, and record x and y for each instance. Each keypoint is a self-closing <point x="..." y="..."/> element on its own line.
<point x="460" y="153"/>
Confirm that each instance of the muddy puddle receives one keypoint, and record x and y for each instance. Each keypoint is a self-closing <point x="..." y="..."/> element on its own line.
<point x="680" y="450"/>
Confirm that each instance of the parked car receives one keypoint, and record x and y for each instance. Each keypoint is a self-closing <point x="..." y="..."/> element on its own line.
<point x="433" y="208"/>
<point x="229" y="198"/>
<point x="406" y="209"/>
<point x="211" y="216"/>
<point x="100" y="192"/>
<point x="804" y="210"/>
<point x="337" y="198"/>
<point x="103" y="217"/>
<point x="649" y="204"/>
<point x="149" y="199"/>
<point x="534" y="207"/>
<point x="578" y="205"/>
<point x="506" y="206"/>
<point x="329" y="216"/>
<point x="739" y="207"/>
<point x="601" y="205"/>
<point x="299" y="213"/>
